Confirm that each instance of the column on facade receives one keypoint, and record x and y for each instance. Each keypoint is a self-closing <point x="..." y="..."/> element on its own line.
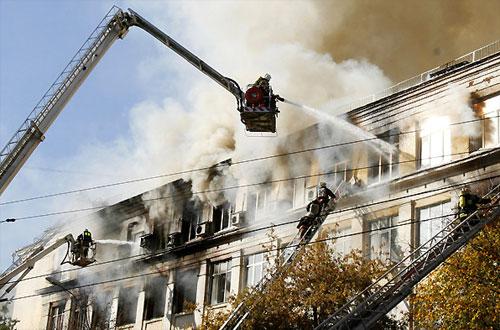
<point x="201" y="292"/>
<point x="235" y="272"/>
<point x="168" y="321"/>
<point x="404" y="233"/>
<point x="114" y="308"/>
<point x="139" y="314"/>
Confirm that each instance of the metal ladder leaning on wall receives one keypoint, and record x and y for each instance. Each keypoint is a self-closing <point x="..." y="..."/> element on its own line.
<point x="240" y="313"/>
<point x="366" y="308"/>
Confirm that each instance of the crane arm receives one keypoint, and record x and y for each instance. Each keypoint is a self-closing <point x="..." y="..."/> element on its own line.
<point x="17" y="151"/>
<point x="29" y="263"/>
<point x="228" y="83"/>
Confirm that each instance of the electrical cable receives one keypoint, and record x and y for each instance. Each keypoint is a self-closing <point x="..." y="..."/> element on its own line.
<point x="232" y="164"/>
<point x="93" y="208"/>
<point x="403" y="223"/>
<point x="272" y="226"/>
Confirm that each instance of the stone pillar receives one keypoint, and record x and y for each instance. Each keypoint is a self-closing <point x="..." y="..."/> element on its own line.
<point x="114" y="308"/>
<point x="201" y="292"/>
<point x="235" y="272"/>
<point x="168" y="321"/>
<point x="139" y="314"/>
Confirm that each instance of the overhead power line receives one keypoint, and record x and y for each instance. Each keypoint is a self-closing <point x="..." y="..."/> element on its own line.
<point x="403" y="223"/>
<point x="272" y="226"/>
<point x="233" y="163"/>
<point x="263" y="183"/>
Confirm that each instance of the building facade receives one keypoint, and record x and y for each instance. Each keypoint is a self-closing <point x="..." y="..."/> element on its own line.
<point x="167" y="256"/>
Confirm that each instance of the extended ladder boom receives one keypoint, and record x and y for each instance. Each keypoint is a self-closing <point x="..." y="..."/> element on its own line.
<point x="240" y="313"/>
<point x="229" y="84"/>
<point x="29" y="263"/>
<point x="366" y="308"/>
<point x="113" y="26"/>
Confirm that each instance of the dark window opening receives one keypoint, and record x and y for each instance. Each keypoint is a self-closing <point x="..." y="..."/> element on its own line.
<point x="191" y="217"/>
<point x="383" y="165"/>
<point x="130" y="230"/>
<point x="154" y="304"/>
<point x="127" y="306"/>
<point x="56" y="315"/>
<point x="185" y="291"/>
<point x="221" y="215"/>
<point x="79" y="313"/>
<point x="101" y="310"/>
<point x="251" y="206"/>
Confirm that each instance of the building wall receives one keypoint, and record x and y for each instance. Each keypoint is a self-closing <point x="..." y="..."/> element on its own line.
<point x="398" y="196"/>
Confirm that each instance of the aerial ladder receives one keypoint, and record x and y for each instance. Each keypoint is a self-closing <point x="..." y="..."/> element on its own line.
<point x="80" y="253"/>
<point x="367" y="307"/>
<point x="257" y="106"/>
<point x="243" y="309"/>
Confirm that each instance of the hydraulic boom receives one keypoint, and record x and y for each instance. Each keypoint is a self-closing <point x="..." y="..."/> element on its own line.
<point x="257" y="106"/>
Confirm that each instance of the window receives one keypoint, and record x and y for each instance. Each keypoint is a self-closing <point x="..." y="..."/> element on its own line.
<point x="220" y="282"/>
<point x="433" y="219"/>
<point x="342" y="244"/>
<point x="382" y="165"/>
<point x="101" y="310"/>
<point x="186" y="282"/>
<point x="191" y="217"/>
<point x="311" y="193"/>
<point x="127" y="306"/>
<point x="154" y="303"/>
<point x="382" y="239"/>
<point x="491" y="126"/>
<point x="56" y="315"/>
<point x="435" y="142"/>
<point x="130" y="231"/>
<point x="342" y="172"/>
<point x="78" y="319"/>
<point x="221" y="217"/>
<point x="256" y="266"/>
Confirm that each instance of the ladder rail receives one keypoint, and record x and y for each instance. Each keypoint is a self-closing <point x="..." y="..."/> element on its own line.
<point x="31" y="132"/>
<point x="292" y="249"/>
<point x="424" y="255"/>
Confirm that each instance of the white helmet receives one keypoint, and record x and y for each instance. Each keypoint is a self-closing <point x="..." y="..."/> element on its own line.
<point x="267" y="76"/>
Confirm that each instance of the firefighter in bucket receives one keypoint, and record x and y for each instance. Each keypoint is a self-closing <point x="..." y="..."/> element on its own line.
<point x="83" y="250"/>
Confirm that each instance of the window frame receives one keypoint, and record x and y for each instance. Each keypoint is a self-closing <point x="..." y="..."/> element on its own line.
<point x="215" y="275"/>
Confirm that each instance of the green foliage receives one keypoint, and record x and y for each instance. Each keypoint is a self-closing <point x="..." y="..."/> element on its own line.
<point x="464" y="292"/>
<point x="6" y="322"/>
<point x="318" y="283"/>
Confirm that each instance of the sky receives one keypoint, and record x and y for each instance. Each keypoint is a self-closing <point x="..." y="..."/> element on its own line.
<point x="141" y="112"/>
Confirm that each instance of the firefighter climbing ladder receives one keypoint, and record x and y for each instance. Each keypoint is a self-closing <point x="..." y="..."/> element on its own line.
<point x="240" y="313"/>
<point x="366" y="308"/>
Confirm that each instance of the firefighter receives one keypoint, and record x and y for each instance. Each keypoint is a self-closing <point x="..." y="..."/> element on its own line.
<point x="263" y="82"/>
<point x="326" y="197"/>
<point x="468" y="204"/>
<point x="313" y="210"/>
<point x="85" y="242"/>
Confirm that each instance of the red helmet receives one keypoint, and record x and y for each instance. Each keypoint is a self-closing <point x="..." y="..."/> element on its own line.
<point x="254" y="96"/>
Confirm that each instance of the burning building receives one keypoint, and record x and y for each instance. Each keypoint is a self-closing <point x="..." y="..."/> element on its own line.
<point x="169" y="254"/>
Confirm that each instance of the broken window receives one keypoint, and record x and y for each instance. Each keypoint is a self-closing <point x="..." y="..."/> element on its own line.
<point x="382" y="239"/>
<point x="433" y="219"/>
<point x="384" y="164"/>
<point x="435" y="142"/>
<point x="220" y="282"/>
<point x="185" y="285"/>
<point x="221" y="217"/>
<point x="491" y="124"/>
<point x="101" y="310"/>
<point x="256" y="267"/>
<point x="154" y="302"/>
<point x="56" y="315"/>
<point x="127" y="305"/>
<point x="79" y="312"/>
<point x="191" y="217"/>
